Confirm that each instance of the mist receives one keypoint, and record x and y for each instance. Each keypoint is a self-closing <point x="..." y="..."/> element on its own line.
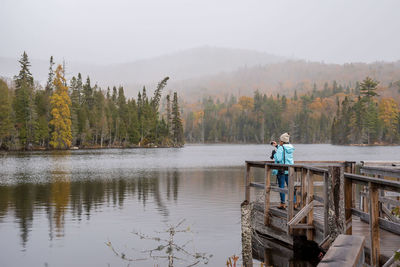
<point x="107" y="32"/>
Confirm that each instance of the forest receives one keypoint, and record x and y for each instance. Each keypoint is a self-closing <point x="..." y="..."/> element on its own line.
<point x="67" y="114"/>
<point x="339" y="114"/>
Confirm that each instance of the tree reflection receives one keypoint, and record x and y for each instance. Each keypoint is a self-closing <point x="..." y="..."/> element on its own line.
<point x="63" y="196"/>
<point x="60" y="190"/>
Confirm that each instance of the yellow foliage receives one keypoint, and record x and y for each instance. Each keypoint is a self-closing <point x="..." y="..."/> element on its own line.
<point x="61" y="137"/>
<point x="388" y="110"/>
<point x="247" y="103"/>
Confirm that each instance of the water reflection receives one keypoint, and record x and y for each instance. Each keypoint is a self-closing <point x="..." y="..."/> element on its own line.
<point x="61" y="196"/>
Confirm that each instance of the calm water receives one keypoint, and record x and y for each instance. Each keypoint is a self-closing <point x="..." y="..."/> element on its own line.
<point x="60" y="209"/>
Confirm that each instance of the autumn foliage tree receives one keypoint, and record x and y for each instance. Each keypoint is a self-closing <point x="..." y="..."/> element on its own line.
<point x="61" y="136"/>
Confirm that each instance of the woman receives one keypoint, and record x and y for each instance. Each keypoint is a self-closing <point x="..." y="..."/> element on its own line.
<point x="284" y="155"/>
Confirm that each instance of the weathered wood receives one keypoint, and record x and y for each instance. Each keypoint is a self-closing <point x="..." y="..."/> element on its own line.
<point x="336" y="213"/>
<point x="383" y="171"/>
<point x="303" y="188"/>
<point x="365" y="180"/>
<point x="247" y="231"/>
<point x="247" y="182"/>
<point x="346" y="250"/>
<point x="292" y="176"/>
<point x="267" y="183"/>
<point x="303" y="226"/>
<point x="348" y="202"/>
<point x="384" y="224"/>
<point x="303" y="199"/>
<point x="379" y="163"/>
<point x="374" y="223"/>
<point x="302" y="213"/>
<point x="390" y="261"/>
<point x="257" y="185"/>
<point x="326" y="204"/>
<point x="310" y="197"/>
<point x="279" y="190"/>
<point x="389" y="214"/>
<point x="385" y="200"/>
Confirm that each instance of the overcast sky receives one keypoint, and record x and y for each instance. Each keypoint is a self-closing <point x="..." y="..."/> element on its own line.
<point x="114" y="31"/>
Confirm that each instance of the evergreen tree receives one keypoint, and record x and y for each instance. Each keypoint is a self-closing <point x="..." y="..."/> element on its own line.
<point x="177" y="126"/>
<point x="50" y="85"/>
<point x="24" y="104"/>
<point x="61" y="136"/>
<point x="5" y="114"/>
<point x="157" y="93"/>
<point x="169" y="115"/>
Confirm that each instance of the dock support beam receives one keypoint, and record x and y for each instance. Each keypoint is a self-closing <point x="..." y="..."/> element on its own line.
<point x="336" y="208"/>
<point x="247" y="182"/>
<point x="247" y="231"/>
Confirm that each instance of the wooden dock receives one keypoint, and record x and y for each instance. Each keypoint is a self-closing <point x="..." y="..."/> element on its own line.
<point x="332" y="200"/>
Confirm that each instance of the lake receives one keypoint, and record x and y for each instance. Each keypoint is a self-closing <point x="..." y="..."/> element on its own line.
<point x="62" y="208"/>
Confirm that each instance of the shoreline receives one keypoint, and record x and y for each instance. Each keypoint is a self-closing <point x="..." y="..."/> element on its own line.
<point x="36" y="149"/>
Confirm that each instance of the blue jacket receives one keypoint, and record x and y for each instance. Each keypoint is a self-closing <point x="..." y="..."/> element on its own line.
<point x="284" y="155"/>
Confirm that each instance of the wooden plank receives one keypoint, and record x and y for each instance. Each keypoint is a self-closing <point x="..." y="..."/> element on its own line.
<point x="280" y="190"/>
<point x="348" y="202"/>
<point x="267" y="194"/>
<point x="379" y="163"/>
<point x="257" y="185"/>
<point x="383" y="184"/>
<point x="391" y="260"/>
<point x="301" y="214"/>
<point x="385" y="200"/>
<point x="303" y="226"/>
<point x="374" y="223"/>
<point x="384" y="224"/>
<point x="383" y="171"/>
<point x="389" y="214"/>
<point x="346" y="250"/>
<point x="247" y="182"/>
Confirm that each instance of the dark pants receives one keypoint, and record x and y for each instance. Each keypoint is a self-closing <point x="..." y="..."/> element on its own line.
<point x="282" y="179"/>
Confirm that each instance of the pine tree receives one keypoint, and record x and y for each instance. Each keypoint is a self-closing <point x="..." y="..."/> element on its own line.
<point x="368" y="88"/>
<point x="155" y="101"/>
<point x="50" y="85"/>
<point x="177" y="126"/>
<point x="24" y="104"/>
<point x="369" y="109"/>
<point x="169" y="116"/>
<point x="61" y="136"/>
<point x="5" y="114"/>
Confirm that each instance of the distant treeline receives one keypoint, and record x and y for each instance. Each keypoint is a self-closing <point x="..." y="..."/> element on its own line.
<point x="364" y="114"/>
<point x="79" y="114"/>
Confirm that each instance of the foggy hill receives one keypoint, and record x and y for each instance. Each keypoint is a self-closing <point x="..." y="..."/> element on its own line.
<point x="217" y="72"/>
<point x="181" y="65"/>
<point x="285" y="77"/>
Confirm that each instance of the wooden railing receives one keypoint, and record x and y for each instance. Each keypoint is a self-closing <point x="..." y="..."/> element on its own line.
<point x="338" y="200"/>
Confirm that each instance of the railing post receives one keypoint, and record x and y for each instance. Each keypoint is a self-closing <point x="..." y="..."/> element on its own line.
<point x="374" y="223"/>
<point x="292" y="177"/>
<point x="336" y="213"/>
<point x="267" y="194"/>
<point x="247" y="182"/>
<point x="303" y="188"/>
<point x="348" y="204"/>
<point x="310" y="198"/>
<point x="326" y="204"/>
